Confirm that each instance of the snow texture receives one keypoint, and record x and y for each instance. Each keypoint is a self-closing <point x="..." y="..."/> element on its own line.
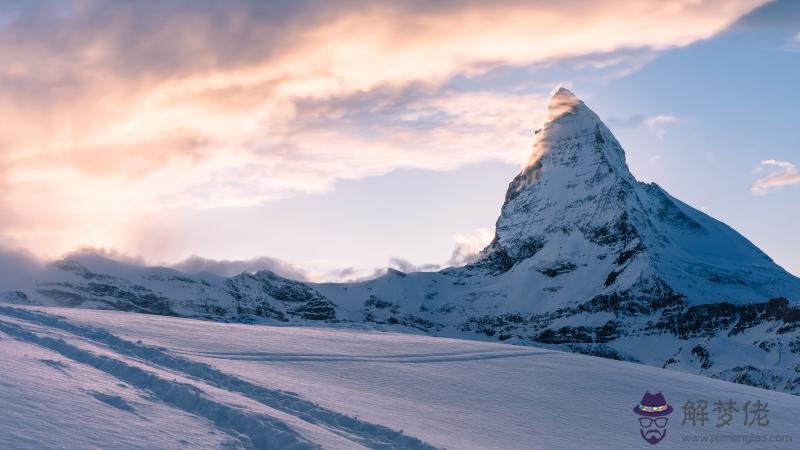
<point x="76" y="378"/>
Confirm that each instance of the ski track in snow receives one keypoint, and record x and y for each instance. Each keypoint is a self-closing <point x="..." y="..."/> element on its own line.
<point x="251" y="429"/>
<point x="404" y="359"/>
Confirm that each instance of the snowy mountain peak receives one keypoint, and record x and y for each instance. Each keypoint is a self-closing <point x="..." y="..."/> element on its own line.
<point x="575" y="181"/>
<point x="563" y="102"/>
<point x="574" y="139"/>
<point x="577" y="215"/>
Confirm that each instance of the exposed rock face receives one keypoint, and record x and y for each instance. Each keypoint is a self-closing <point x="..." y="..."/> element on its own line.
<point x="585" y="258"/>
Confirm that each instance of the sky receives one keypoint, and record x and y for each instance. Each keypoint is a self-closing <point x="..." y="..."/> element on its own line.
<point x="327" y="140"/>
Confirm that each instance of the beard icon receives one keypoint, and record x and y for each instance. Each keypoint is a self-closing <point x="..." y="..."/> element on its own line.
<point x="653" y="435"/>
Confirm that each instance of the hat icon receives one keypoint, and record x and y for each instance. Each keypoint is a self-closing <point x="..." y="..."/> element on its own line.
<point x="653" y="405"/>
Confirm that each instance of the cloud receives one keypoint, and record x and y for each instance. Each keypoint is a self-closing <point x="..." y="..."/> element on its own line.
<point x="466" y="249"/>
<point x="18" y="269"/>
<point x="793" y="45"/>
<point x="781" y="173"/>
<point x="226" y="268"/>
<point x="656" y="124"/>
<point x="406" y="266"/>
<point x="98" y="253"/>
<point x="312" y="271"/>
<point x="468" y="246"/>
<point x="114" y="112"/>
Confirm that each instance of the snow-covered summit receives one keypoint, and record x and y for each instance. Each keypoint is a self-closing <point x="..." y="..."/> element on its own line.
<point x="563" y="101"/>
<point x="577" y="209"/>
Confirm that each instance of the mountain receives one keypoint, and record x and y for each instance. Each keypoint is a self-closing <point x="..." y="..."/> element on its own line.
<point x="585" y="258"/>
<point x="577" y="212"/>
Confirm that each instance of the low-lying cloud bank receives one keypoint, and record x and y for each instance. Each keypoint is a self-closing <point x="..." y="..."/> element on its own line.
<point x="466" y="249"/>
<point x="20" y="269"/>
<point x="227" y="268"/>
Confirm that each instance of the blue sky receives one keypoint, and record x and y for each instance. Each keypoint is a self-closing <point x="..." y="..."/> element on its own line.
<point x="731" y="102"/>
<point x="404" y="154"/>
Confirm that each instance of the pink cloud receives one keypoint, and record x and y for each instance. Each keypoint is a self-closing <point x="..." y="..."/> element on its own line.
<point x="781" y="173"/>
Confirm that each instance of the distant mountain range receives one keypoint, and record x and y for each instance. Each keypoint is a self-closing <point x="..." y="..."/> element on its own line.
<point x="585" y="258"/>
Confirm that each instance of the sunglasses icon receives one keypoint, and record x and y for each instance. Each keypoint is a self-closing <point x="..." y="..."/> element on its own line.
<point x="646" y="422"/>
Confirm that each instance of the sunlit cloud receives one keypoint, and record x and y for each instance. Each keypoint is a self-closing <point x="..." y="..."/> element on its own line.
<point x="114" y="113"/>
<point x="778" y="174"/>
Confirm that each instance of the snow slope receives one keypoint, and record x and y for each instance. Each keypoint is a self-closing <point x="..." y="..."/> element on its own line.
<point x="72" y="378"/>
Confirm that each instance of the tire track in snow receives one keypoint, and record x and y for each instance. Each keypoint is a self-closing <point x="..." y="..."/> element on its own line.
<point x="366" y="433"/>
<point x="257" y="430"/>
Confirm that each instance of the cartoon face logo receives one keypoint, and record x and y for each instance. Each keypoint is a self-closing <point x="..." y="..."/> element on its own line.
<point x="653" y="424"/>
